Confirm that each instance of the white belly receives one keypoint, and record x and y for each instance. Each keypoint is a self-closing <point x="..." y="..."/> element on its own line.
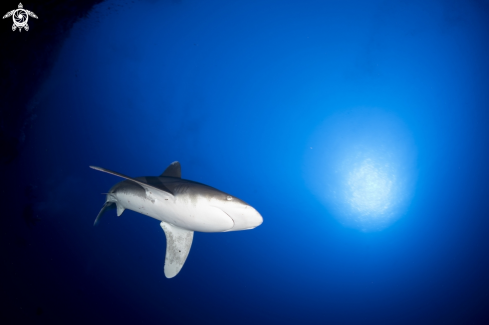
<point x="196" y="216"/>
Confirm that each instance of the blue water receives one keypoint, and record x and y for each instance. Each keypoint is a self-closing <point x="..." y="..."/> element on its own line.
<point x="358" y="129"/>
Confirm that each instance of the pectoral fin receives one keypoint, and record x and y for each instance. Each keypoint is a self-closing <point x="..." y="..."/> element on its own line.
<point x="178" y="243"/>
<point x="147" y="187"/>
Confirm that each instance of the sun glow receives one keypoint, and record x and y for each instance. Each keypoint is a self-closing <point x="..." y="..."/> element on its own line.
<point x="370" y="188"/>
<point x="362" y="168"/>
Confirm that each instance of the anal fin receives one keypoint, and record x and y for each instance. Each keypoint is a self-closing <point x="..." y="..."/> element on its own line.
<point x="178" y="243"/>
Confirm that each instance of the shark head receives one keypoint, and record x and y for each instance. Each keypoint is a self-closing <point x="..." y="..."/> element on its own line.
<point x="244" y="215"/>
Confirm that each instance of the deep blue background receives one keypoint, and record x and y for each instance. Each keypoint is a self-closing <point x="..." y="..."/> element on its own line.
<point x="235" y="90"/>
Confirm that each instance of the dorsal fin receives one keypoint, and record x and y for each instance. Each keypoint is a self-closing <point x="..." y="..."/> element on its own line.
<point x="173" y="170"/>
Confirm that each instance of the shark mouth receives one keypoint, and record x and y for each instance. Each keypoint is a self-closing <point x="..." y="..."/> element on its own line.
<point x="234" y="223"/>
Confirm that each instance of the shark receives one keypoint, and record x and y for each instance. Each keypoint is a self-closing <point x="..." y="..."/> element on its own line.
<point x="182" y="207"/>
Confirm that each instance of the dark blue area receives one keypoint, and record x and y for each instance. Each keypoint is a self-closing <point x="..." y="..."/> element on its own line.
<point x="235" y="92"/>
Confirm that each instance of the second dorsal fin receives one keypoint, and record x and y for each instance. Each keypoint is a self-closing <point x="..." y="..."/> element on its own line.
<point x="173" y="170"/>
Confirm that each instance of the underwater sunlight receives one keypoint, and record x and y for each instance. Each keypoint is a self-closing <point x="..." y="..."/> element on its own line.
<point x="361" y="165"/>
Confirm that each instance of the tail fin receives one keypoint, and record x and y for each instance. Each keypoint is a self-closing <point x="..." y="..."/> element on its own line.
<point x="107" y="206"/>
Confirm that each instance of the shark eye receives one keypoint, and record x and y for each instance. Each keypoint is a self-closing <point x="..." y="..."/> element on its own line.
<point x="229" y="197"/>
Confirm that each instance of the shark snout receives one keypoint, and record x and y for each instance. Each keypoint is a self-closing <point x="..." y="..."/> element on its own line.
<point x="254" y="217"/>
<point x="244" y="217"/>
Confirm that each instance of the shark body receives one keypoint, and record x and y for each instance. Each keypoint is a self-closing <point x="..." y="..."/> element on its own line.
<point x="182" y="206"/>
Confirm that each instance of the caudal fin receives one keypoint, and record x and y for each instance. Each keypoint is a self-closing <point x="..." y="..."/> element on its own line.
<point x="107" y="206"/>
